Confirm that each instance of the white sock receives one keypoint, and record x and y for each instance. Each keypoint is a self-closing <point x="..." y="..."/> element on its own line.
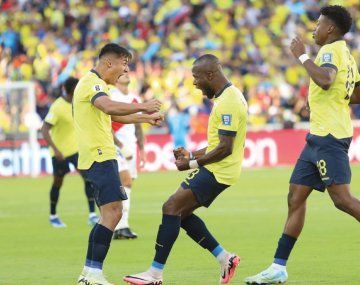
<point x="94" y="270"/>
<point x="278" y="266"/>
<point x="222" y="256"/>
<point x="53" y="216"/>
<point x="86" y="269"/>
<point x="124" y="222"/>
<point x="155" y="272"/>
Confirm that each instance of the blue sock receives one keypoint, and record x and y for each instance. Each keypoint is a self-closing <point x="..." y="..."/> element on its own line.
<point x="196" y="229"/>
<point x="219" y="249"/>
<point x="99" y="246"/>
<point x="285" y="245"/>
<point x="166" y="237"/>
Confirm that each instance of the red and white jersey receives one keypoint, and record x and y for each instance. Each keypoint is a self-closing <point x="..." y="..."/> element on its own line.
<point x="124" y="132"/>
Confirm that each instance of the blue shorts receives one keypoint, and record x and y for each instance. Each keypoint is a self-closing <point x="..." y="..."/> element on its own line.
<point x="104" y="178"/>
<point x="203" y="184"/>
<point x="60" y="168"/>
<point x="324" y="161"/>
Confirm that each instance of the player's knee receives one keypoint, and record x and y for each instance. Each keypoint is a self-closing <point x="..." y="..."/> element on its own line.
<point x="294" y="202"/>
<point x="169" y="207"/>
<point x="112" y="215"/>
<point x="342" y="204"/>
<point x="127" y="183"/>
<point x="58" y="181"/>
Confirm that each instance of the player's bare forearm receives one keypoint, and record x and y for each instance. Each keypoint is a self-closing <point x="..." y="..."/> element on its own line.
<point x="138" y="118"/>
<point x="139" y="135"/>
<point x="113" y="108"/>
<point x="199" y="153"/>
<point x="355" y="97"/>
<point x="116" y="141"/>
<point x="224" y="149"/>
<point x="45" y="130"/>
<point x="322" y="76"/>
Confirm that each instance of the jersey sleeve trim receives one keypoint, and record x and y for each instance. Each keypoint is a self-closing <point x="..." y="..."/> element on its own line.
<point x="227" y="133"/>
<point x="97" y="95"/>
<point x="329" y="65"/>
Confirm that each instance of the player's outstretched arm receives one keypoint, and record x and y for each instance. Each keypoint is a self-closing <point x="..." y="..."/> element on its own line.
<point x="153" y="119"/>
<point x="224" y="149"/>
<point x="105" y="104"/>
<point x="355" y="97"/>
<point x="323" y="76"/>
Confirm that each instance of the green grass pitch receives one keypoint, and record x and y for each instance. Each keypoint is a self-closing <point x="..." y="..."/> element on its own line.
<point x="248" y="219"/>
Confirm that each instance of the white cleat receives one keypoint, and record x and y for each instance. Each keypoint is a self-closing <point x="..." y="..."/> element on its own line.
<point x="144" y="278"/>
<point x="82" y="278"/>
<point x="228" y="268"/>
<point x="93" y="279"/>
<point x="269" y="276"/>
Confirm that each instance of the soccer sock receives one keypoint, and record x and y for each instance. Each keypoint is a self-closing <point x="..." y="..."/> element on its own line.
<point x="196" y="229"/>
<point x="101" y="238"/>
<point x="90" y="248"/>
<point x="166" y="237"/>
<point x="124" y="222"/>
<point x="89" y="191"/>
<point x="54" y="197"/>
<point x="285" y="245"/>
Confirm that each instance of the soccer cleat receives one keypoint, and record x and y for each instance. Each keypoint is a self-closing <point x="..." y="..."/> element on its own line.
<point x="82" y="278"/>
<point x="57" y="223"/>
<point x="93" y="219"/>
<point x="228" y="268"/>
<point x="94" y="279"/>
<point x="143" y="278"/>
<point x="124" y="234"/>
<point x="268" y="276"/>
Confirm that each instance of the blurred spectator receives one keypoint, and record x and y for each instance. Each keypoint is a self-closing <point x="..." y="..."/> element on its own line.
<point x="178" y="122"/>
<point x="47" y="41"/>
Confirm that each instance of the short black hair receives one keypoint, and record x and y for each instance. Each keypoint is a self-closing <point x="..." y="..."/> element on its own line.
<point x="115" y="49"/>
<point x="339" y="15"/>
<point x="70" y="85"/>
<point x="206" y="58"/>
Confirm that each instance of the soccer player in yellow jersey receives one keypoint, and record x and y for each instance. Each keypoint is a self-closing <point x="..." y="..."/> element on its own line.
<point x="216" y="167"/>
<point x="58" y="131"/>
<point x="324" y="162"/>
<point x="93" y="112"/>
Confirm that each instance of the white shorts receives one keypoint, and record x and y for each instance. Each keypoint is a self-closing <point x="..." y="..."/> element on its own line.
<point x="129" y="165"/>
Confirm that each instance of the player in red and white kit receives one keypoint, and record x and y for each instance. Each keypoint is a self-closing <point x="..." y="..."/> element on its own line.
<point x="127" y="138"/>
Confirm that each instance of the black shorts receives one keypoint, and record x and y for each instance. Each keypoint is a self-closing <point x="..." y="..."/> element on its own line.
<point x="203" y="184"/>
<point x="324" y="161"/>
<point x="60" y="168"/>
<point x="104" y="178"/>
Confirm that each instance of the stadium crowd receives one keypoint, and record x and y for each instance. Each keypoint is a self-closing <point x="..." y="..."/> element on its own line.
<point x="47" y="41"/>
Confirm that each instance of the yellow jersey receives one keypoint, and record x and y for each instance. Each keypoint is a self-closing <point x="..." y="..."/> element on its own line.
<point x="329" y="109"/>
<point x="62" y="127"/>
<point x="228" y="117"/>
<point x="92" y="126"/>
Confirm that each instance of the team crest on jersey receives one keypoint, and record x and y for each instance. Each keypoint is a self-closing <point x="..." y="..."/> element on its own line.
<point x="226" y="119"/>
<point x="327" y="57"/>
<point x="97" y="88"/>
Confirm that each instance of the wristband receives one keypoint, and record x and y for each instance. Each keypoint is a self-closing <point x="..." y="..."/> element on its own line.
<point x="193" y="164"/>
<point x="304" y="57"/>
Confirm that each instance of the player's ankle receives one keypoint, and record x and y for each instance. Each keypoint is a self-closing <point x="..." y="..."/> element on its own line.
<point x="278" y="266"/>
